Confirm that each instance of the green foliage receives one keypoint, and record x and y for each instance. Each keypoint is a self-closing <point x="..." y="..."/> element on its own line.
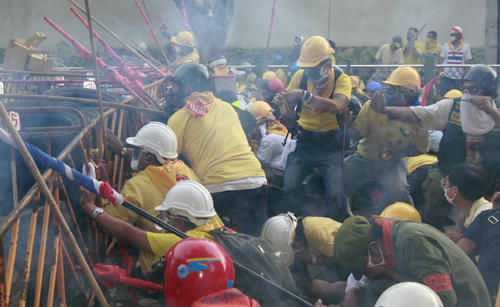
<point x="477" y="55"/>
<point x="253" y="55"/>
<point x="68" y="56"/>
<point x="2" y="54"/>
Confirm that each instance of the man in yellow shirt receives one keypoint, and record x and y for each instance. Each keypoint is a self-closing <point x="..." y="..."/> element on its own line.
<point x="432" y="46"/>
<point x="412" y="49"/>
<point x="388" y="54"/>
<point x="155" y="159"/>
<point x="211" y="138"/>
<point x="321" y="92"/>
<point x="385" y="142"/>
<point x="188" y="207"/>
<point x="183" y="46"/>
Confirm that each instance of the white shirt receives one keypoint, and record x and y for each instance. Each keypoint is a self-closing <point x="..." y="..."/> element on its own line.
<point x="271" y="149"/>
<point x="457" y="57"/>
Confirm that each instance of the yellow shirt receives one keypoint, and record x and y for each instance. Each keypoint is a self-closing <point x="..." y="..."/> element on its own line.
<point x="282" y="76"/>
<point x="191" y="57"/>
<point x="320" y="121"/>
<point x="161" y="243"/>
<point x="140" y="191"/>
<point x="434" y="49"/>
<point x="214" y="143"/>
<point x="378" y="133"/>
<point x="408" y="57"/>
<point x="320" y="234"/>
<point x="477" y="207"/>
<point x="386" y="56"/>
<point x="418" y="161"/>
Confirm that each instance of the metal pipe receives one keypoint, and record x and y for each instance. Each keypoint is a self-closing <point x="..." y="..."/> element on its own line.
<point x="46" y="192"/>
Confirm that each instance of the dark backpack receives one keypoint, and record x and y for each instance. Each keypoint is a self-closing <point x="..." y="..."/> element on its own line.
<point x="260" y="256"/>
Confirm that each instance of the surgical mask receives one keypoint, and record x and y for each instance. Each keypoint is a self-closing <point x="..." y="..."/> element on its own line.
<point x="134" y="164"/>
<point x="452" y="37"/>
<point x="468" y="97"/>
<point x="370" y="264"/>
<point x="177" y="48"/>
<point x="450" y="200"/>
<point x="409" y="37"/>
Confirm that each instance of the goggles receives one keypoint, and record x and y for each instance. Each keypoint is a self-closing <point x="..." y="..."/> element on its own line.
<point x="471" y="88"/>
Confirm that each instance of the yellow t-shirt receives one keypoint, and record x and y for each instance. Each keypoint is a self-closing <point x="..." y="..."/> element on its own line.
<point x="435" y="50"/>
<point x="320" y="121"/>
<point x="214" y="143"/>
<point x="477" y="207"/>
<point x="378" y="132"/>
<point x="161" y="243"/>
<point x="320" y="234"/>
<point x="282" y="76"/>
<point x="140" y="191"/>
<point x="191" y="57"/>
<point x="418" y="161"/>
<point x="408" y="57"/>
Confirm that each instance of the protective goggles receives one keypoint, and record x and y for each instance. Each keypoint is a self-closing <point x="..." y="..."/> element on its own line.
<point x="471" y="88"/>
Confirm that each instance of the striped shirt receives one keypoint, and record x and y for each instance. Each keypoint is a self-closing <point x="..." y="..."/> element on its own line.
<point x="455" y="57"/>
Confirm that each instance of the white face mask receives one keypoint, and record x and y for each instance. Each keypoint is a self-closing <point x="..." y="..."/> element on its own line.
<point x="370" y="264"/>
<point x="450" y="200"/>
<point x="468" y="97"/>
<point x="177" y="48"/>
<point x="452" y="38"/>
<point x="134" y="164"/>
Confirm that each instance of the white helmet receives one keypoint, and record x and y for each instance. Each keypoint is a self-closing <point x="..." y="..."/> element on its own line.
<point x="189" y="199"/>
<point x="409" y="294"/>
<point x="279" y="230"/>
<point x="158" y="139"/>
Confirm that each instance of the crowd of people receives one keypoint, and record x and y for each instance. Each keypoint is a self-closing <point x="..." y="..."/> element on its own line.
<point x="240" y="159"/>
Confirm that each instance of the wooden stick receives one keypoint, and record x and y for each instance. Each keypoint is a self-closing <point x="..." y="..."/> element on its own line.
<point x="3" y="287"/>
<point x="61" y="288"/>
<point x="72" y="268"/>
<point x="46" y="192"/>
<point x="84" y="101"/>
<point x="29" y="251"/>
<point x="122" y="41"/>
<point x="57" y="245"/>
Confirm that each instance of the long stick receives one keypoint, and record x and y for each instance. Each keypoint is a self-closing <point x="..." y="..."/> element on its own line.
<point x="329" y="13"/>
<point x="84" y="101"/>
<point x="15" y="230"/>
<point x="271" y="27"/>
<point x="46" y="192"/>
<point x="152" y="32"/>
<point x="121" y="40"/>
<point x="96" y="72"/>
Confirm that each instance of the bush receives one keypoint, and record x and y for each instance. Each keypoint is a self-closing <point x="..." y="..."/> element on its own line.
<point x="2" y="54"/>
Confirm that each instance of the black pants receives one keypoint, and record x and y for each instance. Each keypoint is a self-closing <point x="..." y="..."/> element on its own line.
<point x="246" y="208"/>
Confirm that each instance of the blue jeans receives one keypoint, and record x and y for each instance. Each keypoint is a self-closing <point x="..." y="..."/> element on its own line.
<point x="390" y="174"/>
<point x="322" y="150"/>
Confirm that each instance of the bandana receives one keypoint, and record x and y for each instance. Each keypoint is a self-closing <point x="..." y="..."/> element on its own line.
<point x="390" y="262"/>
<point x="462" y="43"/>
<point x="166" y="176"/>
<point x="324" y="91"/>
<point x="278" y="129"/>
<point x="199" y="104"/>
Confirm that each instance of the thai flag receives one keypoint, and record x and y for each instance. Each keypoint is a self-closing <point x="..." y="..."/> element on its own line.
<point x="99" y="188"/>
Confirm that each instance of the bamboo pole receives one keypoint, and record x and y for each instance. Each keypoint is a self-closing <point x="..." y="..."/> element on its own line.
<point x="72" y="268"/>
<point x="61" y="288"/>
<point x="3" y="287"/>
<point x="96" y="73"/>
<point x="57" y="245"/>
<point x="29" y="250"/>
<point x="120" y="128"/>
<point x="122" y="41"/>
<point x="84" y="101"/>
<point x="46" y="192"/>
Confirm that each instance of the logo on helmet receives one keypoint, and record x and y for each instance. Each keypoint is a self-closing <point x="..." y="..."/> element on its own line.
<point x="194" y="265"/>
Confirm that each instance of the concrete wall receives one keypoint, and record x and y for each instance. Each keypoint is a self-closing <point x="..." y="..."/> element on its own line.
<point x="353" y="23"/>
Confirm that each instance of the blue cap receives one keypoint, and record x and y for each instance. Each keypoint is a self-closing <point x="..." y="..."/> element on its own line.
<point x="374" y="86"/>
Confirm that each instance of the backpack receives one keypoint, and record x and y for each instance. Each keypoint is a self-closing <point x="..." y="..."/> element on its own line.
<point x="260" y="256"/>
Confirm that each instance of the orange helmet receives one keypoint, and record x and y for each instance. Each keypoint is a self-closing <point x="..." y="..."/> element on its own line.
<point x="194" y="268"/>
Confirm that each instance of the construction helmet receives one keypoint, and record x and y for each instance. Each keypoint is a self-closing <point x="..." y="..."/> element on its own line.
<point x="354" y="81"/>
<point x="485" y="76"/>
<point x="279" y="230"/>
<point x="453" y="94"/>
<point x="409" y="294"/>
<point x="268" y="75"/>
<point x="194" y="75"/>
<point x="156" y="138"/>
<point x="314" y="51"/>
<point x="261" y="109"/>
<point x="400" y="210"/>
<point x="183" y="38"/>
<point x="195" y="268"/>
<point x="405" y="76"/>
<point x="191" y="200"/>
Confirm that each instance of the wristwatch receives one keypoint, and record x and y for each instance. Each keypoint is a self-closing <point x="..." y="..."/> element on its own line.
<point x="96" y="212"/>
<point x="123" y="152"/>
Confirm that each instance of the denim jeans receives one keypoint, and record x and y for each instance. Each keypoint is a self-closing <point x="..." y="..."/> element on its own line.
<point x="311" y="152"/>
<point x="390" y="174"/>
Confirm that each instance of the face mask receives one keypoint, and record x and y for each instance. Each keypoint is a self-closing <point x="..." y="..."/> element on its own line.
<point x="134" y="164"/>
<point x="409" y="37"/>
<point x="431" y="41"/>
<point x="390" y="100"/>
<point x="452" y="38"/>
<point x="319" y="75"/>
<point x="468" y="97"/>
<point x="450" y="200"/>
<point x="370" y="264"/>
<point x="177" y="48"/>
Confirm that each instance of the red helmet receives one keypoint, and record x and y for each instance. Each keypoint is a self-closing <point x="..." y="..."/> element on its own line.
<point x="194" y="268"/>
<point x="276" y="85"/>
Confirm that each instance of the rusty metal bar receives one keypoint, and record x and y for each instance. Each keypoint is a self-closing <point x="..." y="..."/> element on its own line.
<point x="45" y="190"/>
<point x="55" y="74"/>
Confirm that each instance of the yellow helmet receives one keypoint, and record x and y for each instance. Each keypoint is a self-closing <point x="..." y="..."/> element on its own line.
<point x="183" y="38"/>
<point x="261" y="109"/>
<point x="400" y="210"/>
<point x="268" y="75"/>
<point x="453" y="94"/>
<point x="314" y="51"/>
<point x="405" y="76"/>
